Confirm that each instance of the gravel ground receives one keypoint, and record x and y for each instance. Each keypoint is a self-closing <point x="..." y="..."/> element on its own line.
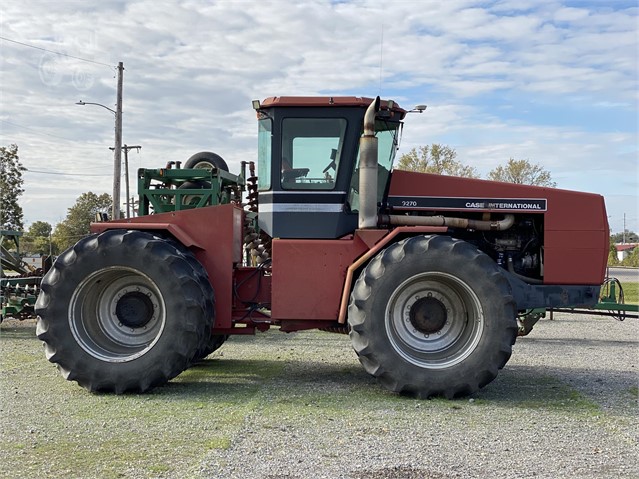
<point x="565" y="406"/>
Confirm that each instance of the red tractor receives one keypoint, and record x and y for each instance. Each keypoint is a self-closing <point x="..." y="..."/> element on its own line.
<point x="427" y="274"/>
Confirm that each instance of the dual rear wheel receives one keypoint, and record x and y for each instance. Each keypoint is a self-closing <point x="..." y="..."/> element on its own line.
<point x="125" y="311"/>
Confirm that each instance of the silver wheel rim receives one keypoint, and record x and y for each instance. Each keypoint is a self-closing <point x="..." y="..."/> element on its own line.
<point x="191" y="200"/>
<point x="204" y="165"/>
<point x="117" y="314"/>
<point x="434" y="320"/>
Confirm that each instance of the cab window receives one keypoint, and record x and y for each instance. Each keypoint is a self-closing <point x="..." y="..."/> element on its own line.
<point x="311" y="152"/>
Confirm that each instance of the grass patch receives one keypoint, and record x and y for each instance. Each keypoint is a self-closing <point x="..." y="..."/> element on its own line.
<point x="631" y="292"/>
<point x="542" y="393"/>
<point x="219" y="443"/>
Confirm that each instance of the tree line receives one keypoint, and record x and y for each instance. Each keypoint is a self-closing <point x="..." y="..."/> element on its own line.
<point x="442" y="160"/>
<point x="41" y="238"/>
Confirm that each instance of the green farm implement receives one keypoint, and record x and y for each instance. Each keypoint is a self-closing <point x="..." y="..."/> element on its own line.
<point x="19" y="282"/>
<point x="611" y="303"/>
<point x="173" y="189"/>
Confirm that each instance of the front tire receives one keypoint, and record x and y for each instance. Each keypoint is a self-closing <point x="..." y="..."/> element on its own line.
<point x="432" y="316"/>
<point x="123" y="311"/>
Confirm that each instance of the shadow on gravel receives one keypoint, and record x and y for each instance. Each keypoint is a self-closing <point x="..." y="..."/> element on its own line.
<point x="219" y="377"/>
<point x="222" y="372"/>
<point x="574" y="389"/>
<point x="516" y="386"/>
<point x="579" y="342"/>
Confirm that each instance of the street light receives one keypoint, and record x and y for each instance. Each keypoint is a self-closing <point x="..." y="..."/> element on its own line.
<point x="117" y="150"/>
<point x="99" y="104"/>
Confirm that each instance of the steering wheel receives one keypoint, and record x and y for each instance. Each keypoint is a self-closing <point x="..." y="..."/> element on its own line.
<point x="332" y="164"/>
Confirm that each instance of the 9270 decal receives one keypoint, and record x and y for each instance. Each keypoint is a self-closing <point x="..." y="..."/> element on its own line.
<point x="484" y="204"/>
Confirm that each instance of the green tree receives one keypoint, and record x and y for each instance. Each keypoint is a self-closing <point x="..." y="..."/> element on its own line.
<point x="11" y="181"/>
<point x="79" y="217"/>
<point x="37" y="240"/>
<point x="632" y="259"/>
<point x="437" y="159"/>
<point x="522" y="172"/>
<point x="612" y="255"/>
<point x="629" y="236"/>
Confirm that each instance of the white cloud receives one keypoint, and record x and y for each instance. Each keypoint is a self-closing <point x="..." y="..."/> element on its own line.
<point x="570" y="14"/>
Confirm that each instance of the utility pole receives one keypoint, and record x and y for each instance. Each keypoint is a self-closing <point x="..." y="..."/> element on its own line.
<point x="126" y="149"/>
<point x="117" y="150"/>
<point x="624" y="228"/>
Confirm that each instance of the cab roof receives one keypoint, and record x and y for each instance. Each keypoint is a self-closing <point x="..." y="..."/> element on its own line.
<point x="337" y="101"/>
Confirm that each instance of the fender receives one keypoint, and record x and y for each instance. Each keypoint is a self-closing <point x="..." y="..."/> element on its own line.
<point x="376" y="246"/>
<point x="177" y="232"/>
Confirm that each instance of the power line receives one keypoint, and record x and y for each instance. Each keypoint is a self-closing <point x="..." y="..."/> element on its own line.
<point x="81" y="169"/>
<point x="42" y="133"/>
<point x="56" y="53"/>
<point x="28" y="170"/>
<point x="36" y="131"/>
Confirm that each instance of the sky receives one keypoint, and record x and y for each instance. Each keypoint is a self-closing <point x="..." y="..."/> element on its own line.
<point x="552" y="82"/>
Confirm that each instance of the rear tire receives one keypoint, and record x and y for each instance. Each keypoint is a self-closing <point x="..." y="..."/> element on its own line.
<point x="214" y="343"/>
<point x="206" y="160"/>
<point x="123" y="311"/>
<point x="432" y="316"/>
<point x="210" y="342"/>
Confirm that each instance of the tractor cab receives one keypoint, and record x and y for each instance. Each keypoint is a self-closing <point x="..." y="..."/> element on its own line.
<point x="308" y="162"/>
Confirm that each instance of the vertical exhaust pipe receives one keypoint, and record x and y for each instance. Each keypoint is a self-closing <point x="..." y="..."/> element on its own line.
<point x="368" y="170"/>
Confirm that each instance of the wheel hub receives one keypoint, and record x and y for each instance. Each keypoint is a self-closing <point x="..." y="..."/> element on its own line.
<point x="117" y="314"/>
<point x="428" y="315"/>
<point x="134" y="309"/>
<point x="434" y="320"/>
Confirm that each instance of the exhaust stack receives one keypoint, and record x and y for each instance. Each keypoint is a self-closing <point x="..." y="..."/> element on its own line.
<point x="368" y="170"/>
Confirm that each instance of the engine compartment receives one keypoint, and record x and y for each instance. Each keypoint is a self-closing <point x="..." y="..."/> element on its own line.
<point x="519" y="249"/>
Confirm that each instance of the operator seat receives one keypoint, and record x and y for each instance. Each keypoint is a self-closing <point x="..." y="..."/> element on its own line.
<point x="289" y="174"/>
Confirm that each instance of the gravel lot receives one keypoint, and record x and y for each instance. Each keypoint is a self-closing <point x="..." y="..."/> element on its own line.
<point x="300" y="406"/>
